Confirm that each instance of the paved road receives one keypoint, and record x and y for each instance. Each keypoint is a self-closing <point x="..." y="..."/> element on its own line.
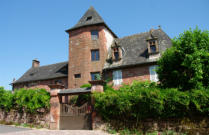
<point x="9" y="129"/>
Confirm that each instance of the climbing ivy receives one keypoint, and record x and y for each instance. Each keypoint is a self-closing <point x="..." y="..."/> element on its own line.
<point x="27" y="100"/>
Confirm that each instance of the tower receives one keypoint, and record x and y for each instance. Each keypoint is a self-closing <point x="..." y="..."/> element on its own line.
<point x="89" y="42"/>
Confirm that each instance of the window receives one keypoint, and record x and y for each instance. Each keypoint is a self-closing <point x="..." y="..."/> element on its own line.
<point x="116" y="53"/>
<point x="77" y="75"/>
<point x="88" y="18"/>
<point x="94" y="35"/>
<point x="117" y="77"/>
<point x="153" y="48"/>
<point x="153" y="74"/>
<point x="57" y="82"/>
<point x="94" y="55"/>
<point x="95" y="76"/>
<point x="152" y="45"/>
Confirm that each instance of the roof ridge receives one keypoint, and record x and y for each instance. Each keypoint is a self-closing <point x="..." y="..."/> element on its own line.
<point x="136" y="34"/>
<point x="51" y="64"/>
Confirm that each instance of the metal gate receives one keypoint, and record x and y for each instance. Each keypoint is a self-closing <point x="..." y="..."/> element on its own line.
<point x="75" y="117"/>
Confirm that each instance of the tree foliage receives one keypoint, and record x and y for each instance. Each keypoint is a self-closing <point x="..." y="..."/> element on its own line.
<point x="186" y="64"/>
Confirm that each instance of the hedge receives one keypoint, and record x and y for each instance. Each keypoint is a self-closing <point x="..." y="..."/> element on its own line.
<point x="27" y="100"/>
<point x="143" y="100"/>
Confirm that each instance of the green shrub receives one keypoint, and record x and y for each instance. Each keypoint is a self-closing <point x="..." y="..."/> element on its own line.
<point x="176" y="103"/>
<point x="73" y="99"/>
<point x="86" y="85"/>
<point x="79" y="100"/>
<point x="139" y="100"/>
<point x="199" y="102"/>
<point x="6" y="99"/>
<point x="27" y="100"/>
<point x="143" y="100"/>
<point x="30" y="100"/>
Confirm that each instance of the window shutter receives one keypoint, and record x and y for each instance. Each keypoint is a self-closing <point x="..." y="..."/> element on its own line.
<point x="114" y="78"/>
<point x="153" y="74"/>
<point x="156" y="75"/>
<point x="117" y="77"/>
<point x="120" y="80"/>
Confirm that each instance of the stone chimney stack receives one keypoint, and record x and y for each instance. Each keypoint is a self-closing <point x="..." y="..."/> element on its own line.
<point x="35" y="63"/>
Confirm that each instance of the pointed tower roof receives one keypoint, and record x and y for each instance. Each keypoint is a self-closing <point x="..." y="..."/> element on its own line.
<point x="91" y="17"/>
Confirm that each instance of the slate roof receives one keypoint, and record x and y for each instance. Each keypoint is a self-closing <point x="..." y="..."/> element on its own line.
<point x="91" y="17"/>
<point x="44" y="72"/>
<point x="135" y="50"/>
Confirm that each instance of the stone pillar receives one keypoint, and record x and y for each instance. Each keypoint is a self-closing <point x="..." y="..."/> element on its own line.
<point x="54" y="109"/>
<point x="96" y="86"/>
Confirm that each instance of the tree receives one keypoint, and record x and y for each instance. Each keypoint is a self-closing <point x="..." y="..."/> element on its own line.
<point x="186" y="64"/>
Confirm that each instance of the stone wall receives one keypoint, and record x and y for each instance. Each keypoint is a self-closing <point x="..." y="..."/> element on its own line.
<point x="40" y="119"/>
<point x="190" y="126"/>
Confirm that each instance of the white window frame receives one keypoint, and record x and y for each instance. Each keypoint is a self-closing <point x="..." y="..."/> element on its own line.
<point x="117" y="77"/>
<point x="153" y="73"/>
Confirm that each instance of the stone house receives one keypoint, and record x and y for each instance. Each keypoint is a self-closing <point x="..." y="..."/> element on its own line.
<point x="95" y="50"/>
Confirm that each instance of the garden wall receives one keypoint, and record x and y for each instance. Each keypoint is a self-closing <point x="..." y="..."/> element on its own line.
<point x="40" y="119"/>
<point x="194" y="126"/>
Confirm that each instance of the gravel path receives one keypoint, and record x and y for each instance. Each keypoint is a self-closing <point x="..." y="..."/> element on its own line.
<point x="57" y="132"/>
<point x="9" y="129"/>
<point x="12" y="130"/>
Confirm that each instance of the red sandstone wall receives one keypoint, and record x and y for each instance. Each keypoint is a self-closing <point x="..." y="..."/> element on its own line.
<point x="80" y="46"/>
<point x="140" y="73"/>
<point x="129" y="74"/>
<point x="41" y="84"/>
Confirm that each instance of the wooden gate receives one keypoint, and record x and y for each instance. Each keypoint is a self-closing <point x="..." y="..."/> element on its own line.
<point x="75" y="117"/>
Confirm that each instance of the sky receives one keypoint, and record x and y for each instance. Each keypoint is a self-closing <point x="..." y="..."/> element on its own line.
<point x="32" y="29"/>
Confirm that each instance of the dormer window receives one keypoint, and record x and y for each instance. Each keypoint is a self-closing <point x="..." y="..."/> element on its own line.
<point x="116" y="53"/>
<point x="152" y="46"/>
<point x="88" y="18"/>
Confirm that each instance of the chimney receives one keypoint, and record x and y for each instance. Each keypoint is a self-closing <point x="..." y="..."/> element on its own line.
<point x="35" y="63"/>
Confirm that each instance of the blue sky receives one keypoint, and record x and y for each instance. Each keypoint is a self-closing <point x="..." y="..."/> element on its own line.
<point x="36" y="28"/>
